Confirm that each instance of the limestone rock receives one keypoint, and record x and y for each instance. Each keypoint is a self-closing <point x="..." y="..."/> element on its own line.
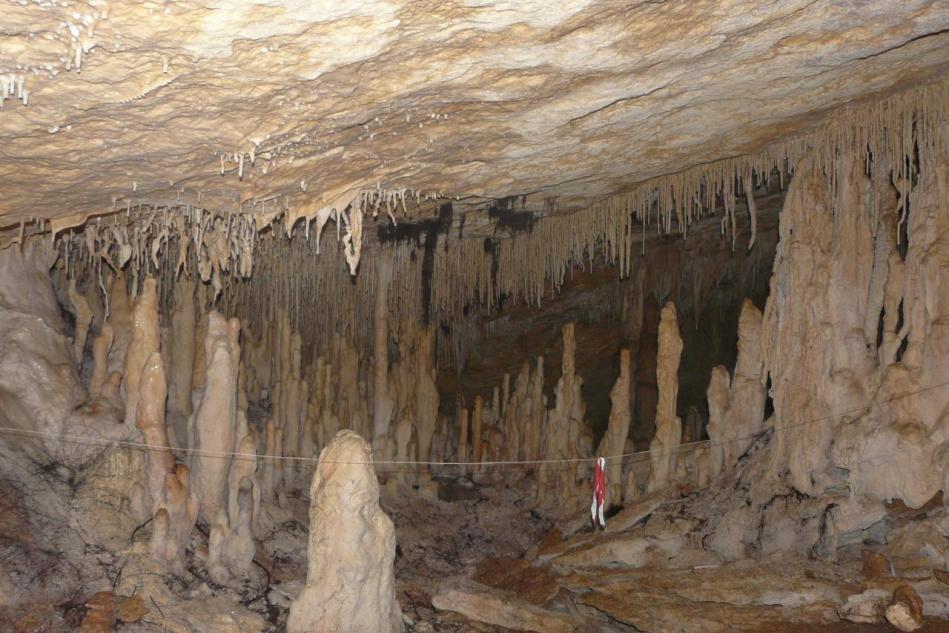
<point x="477" y="602"/>
<point x="905" y="610"/>
<point x="350" y="581"/>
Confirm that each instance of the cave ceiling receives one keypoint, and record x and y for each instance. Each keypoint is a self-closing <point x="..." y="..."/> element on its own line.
<point x="233" y="104"/>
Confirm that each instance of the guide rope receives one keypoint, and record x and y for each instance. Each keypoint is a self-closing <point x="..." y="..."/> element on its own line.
<point x="578" y="460"/>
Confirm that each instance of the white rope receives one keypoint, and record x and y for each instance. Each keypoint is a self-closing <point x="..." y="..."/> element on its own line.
<point x="226" y="454"/>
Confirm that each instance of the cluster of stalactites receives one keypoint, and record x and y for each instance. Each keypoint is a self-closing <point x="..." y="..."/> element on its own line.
<point x="888" y="137"/>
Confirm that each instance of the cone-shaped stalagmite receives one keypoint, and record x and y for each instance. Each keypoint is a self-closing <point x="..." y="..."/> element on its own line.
<point x="350" y="583"/>
<point x="664" y="448"/>
<point x="736" y="406"/>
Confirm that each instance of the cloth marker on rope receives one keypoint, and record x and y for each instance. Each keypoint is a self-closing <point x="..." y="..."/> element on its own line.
<point x="599" y="492"/>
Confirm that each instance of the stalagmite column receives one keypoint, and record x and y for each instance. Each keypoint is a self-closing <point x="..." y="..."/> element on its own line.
<point x="613" y="443"/>
<point x="100" y="360"/>
<point x="145" y="341"/>
<point x="181" y="368"/>
<point x="350" y="583"/>
<point x="663" y="450"/>
<point x="215" y="419"/>
<point x="83" y="319"/>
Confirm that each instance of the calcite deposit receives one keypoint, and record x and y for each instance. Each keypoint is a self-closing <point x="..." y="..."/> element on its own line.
<point x="350" y="585"/>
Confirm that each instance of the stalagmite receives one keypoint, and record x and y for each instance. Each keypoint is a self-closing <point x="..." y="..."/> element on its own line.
<point x="350" y="585"/>
<point x="663" y="452"/>
<point x="83" y="319"/>
<point x="717" y="395"/>
<point x="426" y="394"/>
<point x="200" y="362"/>
<point x="462" y="454"/>
<point x="561" y="437"/>
<point x="150" y="420"/>
<point x="613" y="443"/>
<point x="231" y="545"/>
<point x="100" y="360"/>
<point x="736" y="405"/>
<point x="476" y="419"/>
<point x="216" y="416"/>
<point x="174" y="519"/>
<point x="145" y="341"/>
<point x="267" y="483"/>
<point x="243" y="469"/>
<point x="120" y="316"/>
<point x="181" y="366"/>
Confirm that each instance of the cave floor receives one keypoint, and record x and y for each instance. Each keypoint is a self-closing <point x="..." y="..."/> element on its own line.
<point x="491" y="562"/>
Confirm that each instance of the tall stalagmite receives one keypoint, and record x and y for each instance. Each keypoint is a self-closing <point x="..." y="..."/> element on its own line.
<point x="350" y="583"/>
<point x="736" y="405"/>
<point x="144" y="342"/>
<point x="613" y="444"/>
<point x="181" y="366"/>
<point x="215" y="420"/>
<point x="663" y="452"/>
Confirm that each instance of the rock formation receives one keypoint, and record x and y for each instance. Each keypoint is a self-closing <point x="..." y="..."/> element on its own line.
<point x="181" y="365"/>
<point x="736" y="405"/>
<point x="350" y="584"/>
<point x="613" y="444"/>
<point x="215" y="419"/>
<point x="83" y="315"/>
<point x="144" y="342"/>
<point x="664" y="450"/>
